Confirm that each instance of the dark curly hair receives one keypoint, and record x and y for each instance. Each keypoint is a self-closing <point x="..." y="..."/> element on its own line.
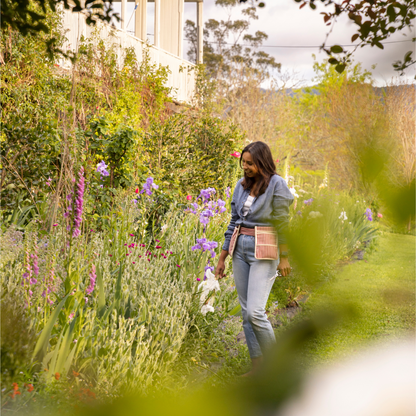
<point x="263" y="159"/>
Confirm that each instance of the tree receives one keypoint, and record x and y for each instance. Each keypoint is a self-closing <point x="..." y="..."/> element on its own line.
<point x="374" y="22"/>
<point x="29" y="17"/>
<point x="228" y="45"/>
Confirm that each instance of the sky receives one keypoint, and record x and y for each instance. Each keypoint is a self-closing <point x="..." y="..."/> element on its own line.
<point x="287" y="25"/>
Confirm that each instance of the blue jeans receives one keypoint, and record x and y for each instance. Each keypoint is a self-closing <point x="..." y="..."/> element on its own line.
<point x="254" y="280"/>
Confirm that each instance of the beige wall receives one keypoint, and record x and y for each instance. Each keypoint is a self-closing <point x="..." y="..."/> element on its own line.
<point x="182" y="74"/>
<point x="171" y="26"/>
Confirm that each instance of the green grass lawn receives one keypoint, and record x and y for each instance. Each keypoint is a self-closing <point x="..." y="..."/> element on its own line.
<point x="381" y="290"/>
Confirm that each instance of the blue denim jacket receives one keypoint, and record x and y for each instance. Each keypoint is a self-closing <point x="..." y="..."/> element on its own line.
<point x="270" y="209"/>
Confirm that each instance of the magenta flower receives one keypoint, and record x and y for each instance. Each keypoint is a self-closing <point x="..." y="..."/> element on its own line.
<point x="236" y="154"/>
<point x="93" y="278"/>
<point x="189" y="197"/>
<point x="35" y="260"/>
<point x="79" y="203"/>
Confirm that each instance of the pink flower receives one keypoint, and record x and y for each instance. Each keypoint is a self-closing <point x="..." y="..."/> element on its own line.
<point x="178" y="265"/>
<point x="79" y="203"/>
<point x="131" y="235"/>
<point x="277" y="160"/>
<point x="189" y="197"/>
<point x="137" y="190"/>
<point x="54" y="225"/>
<point x="158" y="246"/>
<point x="379" y="215"/>
<point x="236" y="154"/>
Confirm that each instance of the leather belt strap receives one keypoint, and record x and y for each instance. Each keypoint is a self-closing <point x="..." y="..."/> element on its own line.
<point x="248" y="231"/>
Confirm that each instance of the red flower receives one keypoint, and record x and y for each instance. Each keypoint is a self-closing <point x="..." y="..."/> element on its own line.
<point x="189" y="197"/>
<point x="236" y="154"/>
<point x="277" y="160"/>
<point x="15" y="391"/>
<point x="137" y="190"/>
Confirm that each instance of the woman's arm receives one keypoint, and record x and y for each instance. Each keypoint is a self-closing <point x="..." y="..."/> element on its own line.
<point x="219" y="271"/>
<point x="284" y="266"/>
<point x="282" y="199"/>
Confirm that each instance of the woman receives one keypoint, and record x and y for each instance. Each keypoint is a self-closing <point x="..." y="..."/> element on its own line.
<point x="259" y="211"/>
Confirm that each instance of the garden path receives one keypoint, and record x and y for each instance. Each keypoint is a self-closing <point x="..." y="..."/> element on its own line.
<point x="381" y="288"/>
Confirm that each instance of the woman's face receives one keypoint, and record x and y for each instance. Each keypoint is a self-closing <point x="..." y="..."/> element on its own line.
<point x="250" y="169"/>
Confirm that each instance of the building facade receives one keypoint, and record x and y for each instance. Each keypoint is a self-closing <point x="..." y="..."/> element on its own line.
<point x="167" y="49"/>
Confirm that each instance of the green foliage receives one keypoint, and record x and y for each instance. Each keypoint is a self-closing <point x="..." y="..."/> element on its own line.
<point x="372" y="24"/>
<point x="32" y="18"/>
<point x="191" y="152"/>
<point x="220" y="58"/>
<point x="114" y="147"/>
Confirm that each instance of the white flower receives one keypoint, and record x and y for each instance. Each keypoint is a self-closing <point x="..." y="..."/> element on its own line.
<point x="315" y="214"/>
<point x="209" y="285"/>
<point x="207" y="308"/>
<point x="163" y="229"/>
<point x="293" y="192"/>
<point x="343" y="216"/>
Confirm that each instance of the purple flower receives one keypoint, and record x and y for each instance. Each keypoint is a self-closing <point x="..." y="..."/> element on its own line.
<point x="227" y="191"/>
<point x="206" y="194"/>
<point x="205" y="245"/>
<point x="308" y="201"/>
<point x="33" y="281"/>
<point x="299" y="213"/>
<point x="205" y="216"/>
<point x="102" y="169"/>
<point x="93" y="278"/>
<point x="194" y="205"/>
<point x="79" y="203"/>
<point x="369" y="214"/>
<point x="221" y="206"/>
<point x="148" y="186"/>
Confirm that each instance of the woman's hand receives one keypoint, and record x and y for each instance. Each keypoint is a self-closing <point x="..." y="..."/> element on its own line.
<point x="219" y="270"/>
<point x="284" y="266"/>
